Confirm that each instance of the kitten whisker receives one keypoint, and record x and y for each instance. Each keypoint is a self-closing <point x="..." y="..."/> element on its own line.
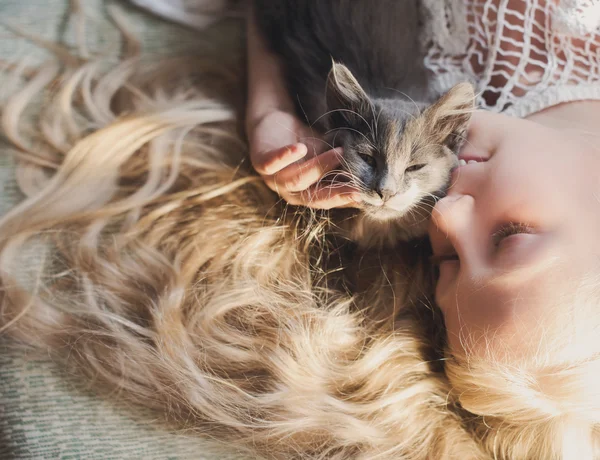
<point x="342" y="110"/>
<point x="465" y="140"/>
<point x="333" y="141"/>
<point x="407" y="97"/>
<point x="374" y="126"/>
<point x="377" y="118"/>
<point x="419" y="219"/>
<point x="308" y="123"/>
<point x="315" y="140"/>
<point x="335" y="177"/>
<point x="425" y="205"/>
<point x="418" y="210"/>
<point x="355" y="131"/>
<point x="354" y="178"/>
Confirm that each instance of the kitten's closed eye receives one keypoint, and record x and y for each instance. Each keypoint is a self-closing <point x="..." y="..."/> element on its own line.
<point x="368" y="159"/>
<point x="415" y="168"/>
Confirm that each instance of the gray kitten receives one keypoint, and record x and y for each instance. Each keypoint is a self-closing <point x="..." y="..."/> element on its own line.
<point x="355" y="70"/>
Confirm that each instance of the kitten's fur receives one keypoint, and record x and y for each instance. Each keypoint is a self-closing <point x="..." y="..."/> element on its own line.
<point x="355" y="70"/>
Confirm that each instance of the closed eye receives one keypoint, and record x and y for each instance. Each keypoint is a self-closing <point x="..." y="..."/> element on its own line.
<point x="415" y="168"/>
<point x="508" y="230"/>
<point x="500" y="235"/>
<point x="368" y="159"/>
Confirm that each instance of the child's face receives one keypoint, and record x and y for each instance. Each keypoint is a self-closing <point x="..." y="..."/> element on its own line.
<point x="524" y="223"/>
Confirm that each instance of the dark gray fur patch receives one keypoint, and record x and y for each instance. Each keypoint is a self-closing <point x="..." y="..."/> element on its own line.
<point x="378" y="40"/>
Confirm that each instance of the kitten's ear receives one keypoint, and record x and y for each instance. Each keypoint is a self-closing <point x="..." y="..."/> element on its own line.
<point x="449" y="116"/>
<point x="346" y="99"/>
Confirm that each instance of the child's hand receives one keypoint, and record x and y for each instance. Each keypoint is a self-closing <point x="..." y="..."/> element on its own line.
<point x="289" y="156"/>
<point x="292" y="160"/>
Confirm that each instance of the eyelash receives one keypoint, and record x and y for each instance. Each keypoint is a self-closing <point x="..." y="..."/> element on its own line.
<point x="510" y="229"/>
<point x="415" y="168"/>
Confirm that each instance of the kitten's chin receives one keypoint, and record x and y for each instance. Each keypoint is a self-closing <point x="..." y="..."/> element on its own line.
<point x="382" y="213"/>
<point x="385" y="228"/>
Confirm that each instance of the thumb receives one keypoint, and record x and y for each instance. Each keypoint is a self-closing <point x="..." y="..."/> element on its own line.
<point x="273" y="131"/>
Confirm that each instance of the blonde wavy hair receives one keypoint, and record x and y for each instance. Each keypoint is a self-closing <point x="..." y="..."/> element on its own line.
<point x="170" y="273"/>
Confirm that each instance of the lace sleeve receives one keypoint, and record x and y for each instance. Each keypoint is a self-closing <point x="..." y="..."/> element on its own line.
<point x="523" y="55"/>
<point x="198" y="14"/>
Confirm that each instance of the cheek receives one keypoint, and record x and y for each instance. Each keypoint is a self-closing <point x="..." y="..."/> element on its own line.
<point x="472" y="323"/>
<point x="457" y="321"/>
<point x="492" y="322"/>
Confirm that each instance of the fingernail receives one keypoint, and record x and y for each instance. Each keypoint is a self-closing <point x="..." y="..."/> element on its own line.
<point x="292" y="149"/>
<point x="296" y="149"/>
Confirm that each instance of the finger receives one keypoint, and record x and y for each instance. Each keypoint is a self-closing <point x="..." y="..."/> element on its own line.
<point x="270" y="182"/>
<point x="316" y="146"/>
<point x="334" y="196"/>
<point x="274" y="161"/>
<point x="300" y="176"/>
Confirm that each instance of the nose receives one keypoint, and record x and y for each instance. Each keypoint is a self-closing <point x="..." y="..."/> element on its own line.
<point x="385" y="193"/>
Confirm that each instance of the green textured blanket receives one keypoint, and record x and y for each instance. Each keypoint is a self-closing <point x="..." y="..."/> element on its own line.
<point x="45" y="413"/>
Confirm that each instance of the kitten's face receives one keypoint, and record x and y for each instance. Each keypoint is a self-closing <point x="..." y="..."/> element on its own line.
<point x="399" y="156"/>
<point x="396" y="166"/>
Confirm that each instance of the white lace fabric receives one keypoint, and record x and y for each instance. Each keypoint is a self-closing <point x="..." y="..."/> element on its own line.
<point x="522" y="55"/>
<point x="198" y="14"/>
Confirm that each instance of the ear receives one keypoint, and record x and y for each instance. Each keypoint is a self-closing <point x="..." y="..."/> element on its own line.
<point x="347" y="101"/>
<point x="449" y="116"/>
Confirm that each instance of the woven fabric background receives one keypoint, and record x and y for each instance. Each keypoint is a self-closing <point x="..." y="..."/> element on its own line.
<point x="44" y="412"/>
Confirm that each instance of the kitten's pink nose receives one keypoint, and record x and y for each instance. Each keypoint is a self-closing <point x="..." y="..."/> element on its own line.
<point x="386" y="193"/>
